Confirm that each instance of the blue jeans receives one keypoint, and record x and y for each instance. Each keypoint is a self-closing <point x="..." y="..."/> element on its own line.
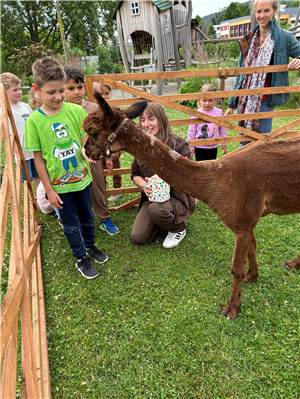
<point x="31" y="170"/>
<point x="265" y="125"/>
<point x="78" y="220"/>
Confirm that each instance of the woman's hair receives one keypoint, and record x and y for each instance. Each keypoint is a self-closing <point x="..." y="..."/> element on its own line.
<point x="155" y="109"/>
<point x="274" y="4"/>
<point x="47" y="69"/>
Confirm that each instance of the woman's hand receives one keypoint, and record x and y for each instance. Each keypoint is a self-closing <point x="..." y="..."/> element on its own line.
<point x="54" y="199"/>
<point x="294" y="65"/>
<point x="229" y="111"/>
<point x="147" y="190"/>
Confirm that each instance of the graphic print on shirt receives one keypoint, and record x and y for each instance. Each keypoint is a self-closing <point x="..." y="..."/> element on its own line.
<point x="207" y="131"/>
<point x="65" y="150"/>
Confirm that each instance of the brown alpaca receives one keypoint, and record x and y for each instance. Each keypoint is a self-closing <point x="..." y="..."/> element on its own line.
<point x="240" y="188"/>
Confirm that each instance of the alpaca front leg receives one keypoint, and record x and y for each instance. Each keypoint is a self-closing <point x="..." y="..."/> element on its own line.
<point x="252" y="274"/>
<point x="241" y="248"/>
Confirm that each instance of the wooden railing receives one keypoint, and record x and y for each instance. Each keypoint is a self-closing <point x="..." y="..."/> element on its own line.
<point x="23" y="297"/>
<point x="118" y="81"/>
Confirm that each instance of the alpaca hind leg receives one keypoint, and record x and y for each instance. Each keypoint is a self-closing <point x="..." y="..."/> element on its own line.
<point x="241" y="248"/>
<point x="294" y="264"/>
<point x="252" y="274"/>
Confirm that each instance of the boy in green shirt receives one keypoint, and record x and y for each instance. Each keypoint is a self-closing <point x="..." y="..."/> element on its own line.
<point x="54" y="134"/>
<point x="74" y="93"/>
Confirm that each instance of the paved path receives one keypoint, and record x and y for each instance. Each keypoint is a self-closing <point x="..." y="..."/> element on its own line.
<point x="169" y="88"/>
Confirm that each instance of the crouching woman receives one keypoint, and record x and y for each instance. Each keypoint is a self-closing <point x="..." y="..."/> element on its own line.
<point x="171" y="215"/>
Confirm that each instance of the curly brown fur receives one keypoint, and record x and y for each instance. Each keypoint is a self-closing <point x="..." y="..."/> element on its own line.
<point x="100" y="124"/>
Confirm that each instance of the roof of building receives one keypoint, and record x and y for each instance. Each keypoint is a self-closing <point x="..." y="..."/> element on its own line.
<point x="162" y="5"/>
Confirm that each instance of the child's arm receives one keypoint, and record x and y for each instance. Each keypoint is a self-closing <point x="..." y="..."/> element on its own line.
<point x="53" y="197"/>
<point x="192" y="132"/>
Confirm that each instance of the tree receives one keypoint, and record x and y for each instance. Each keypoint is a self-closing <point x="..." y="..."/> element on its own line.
<point x="235" y="10"/>
<point x="22" y="59"/>
<point x="211" y="31"/>
<point x="108" y="59"/>
<point x="27" y="22"/>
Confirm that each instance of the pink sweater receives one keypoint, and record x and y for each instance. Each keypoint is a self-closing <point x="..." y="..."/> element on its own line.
<point x="207" y="130"/>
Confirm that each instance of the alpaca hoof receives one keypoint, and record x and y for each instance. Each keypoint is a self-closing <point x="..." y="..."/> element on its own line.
<point x="293" y="264"/>
<point x="250" y="278"/>
<point x="230" y="310"/>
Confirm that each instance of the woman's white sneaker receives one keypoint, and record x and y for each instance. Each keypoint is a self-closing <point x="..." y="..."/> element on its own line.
<point x="173" y="239"/>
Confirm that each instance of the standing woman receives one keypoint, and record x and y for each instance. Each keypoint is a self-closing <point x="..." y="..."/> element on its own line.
<point x="268" y="44"/>
<point x="171" y="215"/>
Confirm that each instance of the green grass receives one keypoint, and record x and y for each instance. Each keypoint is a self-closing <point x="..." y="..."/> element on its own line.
<point x="150" y="325"/>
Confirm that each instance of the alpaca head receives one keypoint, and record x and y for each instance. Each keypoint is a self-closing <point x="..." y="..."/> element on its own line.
<point x="101" y="124"/>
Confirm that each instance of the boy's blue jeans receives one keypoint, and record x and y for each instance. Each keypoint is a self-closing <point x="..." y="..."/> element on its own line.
<point x="78" y="220"/>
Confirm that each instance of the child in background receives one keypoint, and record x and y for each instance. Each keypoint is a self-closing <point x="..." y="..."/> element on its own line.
<point x="207" y="130"/>
<point x="21" y="111"/>
<point x="74" y="93"/>
<point x="105" y="90"/>
<point x="34" y="99"/>
<point x="44" y="203"/>
<point x="54" y="134"/>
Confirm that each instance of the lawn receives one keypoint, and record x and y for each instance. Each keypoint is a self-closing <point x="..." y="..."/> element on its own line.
<point x="150" y="326"/>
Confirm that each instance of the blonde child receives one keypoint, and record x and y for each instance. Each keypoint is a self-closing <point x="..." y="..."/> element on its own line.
<point x="207" y="130"/>
<point x="54" y="133"/>
<point x="20" y="111"/>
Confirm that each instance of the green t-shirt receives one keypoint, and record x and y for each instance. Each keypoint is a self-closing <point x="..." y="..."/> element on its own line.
<point x="59" y="138"/>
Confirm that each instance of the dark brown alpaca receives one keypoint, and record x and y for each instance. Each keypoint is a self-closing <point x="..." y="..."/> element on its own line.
<point x="240" y="188"/>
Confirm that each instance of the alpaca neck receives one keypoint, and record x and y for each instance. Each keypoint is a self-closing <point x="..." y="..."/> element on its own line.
<point x="182" y="174"/>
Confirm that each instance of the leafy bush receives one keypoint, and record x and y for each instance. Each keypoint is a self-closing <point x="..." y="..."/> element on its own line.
<point x="108" y="60"/>
<point x="23" y="58"/>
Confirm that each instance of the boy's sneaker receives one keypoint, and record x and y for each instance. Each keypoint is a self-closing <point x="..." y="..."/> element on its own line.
<point x="86" y="269"/>
<point x="97" y="255"/>
<point x="173" y="239"/>
<point x="108" y="226"/>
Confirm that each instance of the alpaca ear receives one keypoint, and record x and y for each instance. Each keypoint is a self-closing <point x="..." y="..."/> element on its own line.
<point x="104" y="106"/>
<point x="136" y="109"/>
